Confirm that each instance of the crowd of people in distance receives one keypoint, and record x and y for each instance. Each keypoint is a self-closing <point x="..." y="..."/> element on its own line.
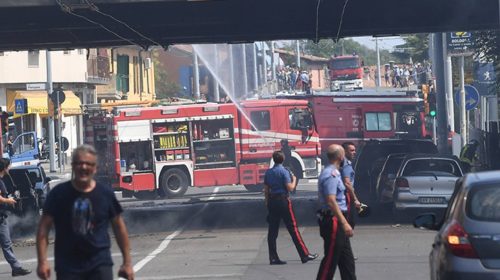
<point x="294" y="79"/>
<point x="405" y="75"/>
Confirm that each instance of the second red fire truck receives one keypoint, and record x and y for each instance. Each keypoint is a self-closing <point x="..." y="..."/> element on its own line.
<point x="149" y="151"/>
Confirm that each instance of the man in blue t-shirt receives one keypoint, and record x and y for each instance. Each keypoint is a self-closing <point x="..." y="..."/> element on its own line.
<point x="333" y="225"/>
<point x="347" y="172"/>
<point x="278" y="183"/>
<point x="81" y="211"/>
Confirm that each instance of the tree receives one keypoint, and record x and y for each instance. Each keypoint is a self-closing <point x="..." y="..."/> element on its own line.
<point x="164" y="88"/>
<point x="416" y="47"/>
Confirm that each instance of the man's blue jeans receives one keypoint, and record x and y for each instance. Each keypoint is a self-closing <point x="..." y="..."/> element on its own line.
<point x="6" y="244"/>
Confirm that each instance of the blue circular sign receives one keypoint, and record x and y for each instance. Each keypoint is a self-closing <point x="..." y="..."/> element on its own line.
<point x="471" y="97"/>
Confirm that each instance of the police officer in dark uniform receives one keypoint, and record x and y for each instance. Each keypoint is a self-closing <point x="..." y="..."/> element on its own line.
<point x="278" y="183"/>
<point x="5" y="241"/>
<point x="334" y="227"/>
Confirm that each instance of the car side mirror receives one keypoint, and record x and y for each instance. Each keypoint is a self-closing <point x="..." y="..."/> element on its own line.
<point x="426" y="221"/>
<point x="48" y="179"/>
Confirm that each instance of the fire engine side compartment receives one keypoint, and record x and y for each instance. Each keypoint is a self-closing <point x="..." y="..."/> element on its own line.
<point x="252" y="174"/>
<point x="215" y="177"/>
<point x="138" y="182"/>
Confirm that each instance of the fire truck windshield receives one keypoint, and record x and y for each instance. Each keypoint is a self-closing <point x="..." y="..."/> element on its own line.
<point x="300" y="119"/>
<point x="345" y="63"/>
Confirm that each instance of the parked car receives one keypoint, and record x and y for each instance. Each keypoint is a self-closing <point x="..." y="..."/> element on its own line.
<point x="387" y="176"/>
<point x="467" y="245"/>
<point x="371" y="156"/>
<point x="425" y="181"/>
<point x="29" y="183"/>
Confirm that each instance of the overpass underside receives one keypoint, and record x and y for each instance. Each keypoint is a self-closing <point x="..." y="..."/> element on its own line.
<point x="63" y="24"/>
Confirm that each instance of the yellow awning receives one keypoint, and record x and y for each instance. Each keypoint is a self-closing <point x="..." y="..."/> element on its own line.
<point x="37" y="102"/>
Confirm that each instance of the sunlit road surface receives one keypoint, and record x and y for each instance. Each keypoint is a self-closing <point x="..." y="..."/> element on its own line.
<point x="220" y="233"/>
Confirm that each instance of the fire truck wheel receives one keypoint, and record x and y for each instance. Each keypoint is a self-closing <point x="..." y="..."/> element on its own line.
<point x="174" y="183"/>
<point x="255" y="188"/>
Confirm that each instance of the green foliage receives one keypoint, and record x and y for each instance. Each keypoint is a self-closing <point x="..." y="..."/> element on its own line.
<point x="164" y="88"/>
<point x="416" y="46"/>
<point x="327" y="48"/>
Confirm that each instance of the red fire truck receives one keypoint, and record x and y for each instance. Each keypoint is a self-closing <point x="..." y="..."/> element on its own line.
<point x="363" y="115"/>
<point x="163" y="150"/>
<point x="346" y="72"/>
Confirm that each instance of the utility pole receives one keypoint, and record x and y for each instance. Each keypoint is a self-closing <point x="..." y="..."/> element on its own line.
<point x="463" y="113"/>
<point x="264" y="66"/>
<point x="244" y="66"/>
<point x="50" y="118"/>
<point x="379" y="80"/>
<point x="449" y="84"/>
<point x="298" y="54"/>
<point x="255" y="72"/>
<point x="442" y="128"/>
<point x="273" y="67"/>
<point x="196" y="76"/>
<point x="216" y="84"/>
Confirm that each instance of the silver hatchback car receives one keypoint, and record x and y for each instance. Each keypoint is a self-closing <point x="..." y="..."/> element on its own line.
<point x="425" y="181"/>
<point x="467" y="246"/>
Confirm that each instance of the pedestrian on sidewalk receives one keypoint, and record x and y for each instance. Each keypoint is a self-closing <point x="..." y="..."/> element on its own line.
<point x="81" y="210"/>
<point x="5" y="241"/>
<point x="333" y="226"/>
<point x="278" y="183"/>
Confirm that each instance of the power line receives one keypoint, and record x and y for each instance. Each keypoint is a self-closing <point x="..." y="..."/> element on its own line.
<point x="68" y="10"/>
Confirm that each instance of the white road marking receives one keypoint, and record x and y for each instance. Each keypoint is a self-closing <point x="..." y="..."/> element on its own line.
<point x="163" y="245"/>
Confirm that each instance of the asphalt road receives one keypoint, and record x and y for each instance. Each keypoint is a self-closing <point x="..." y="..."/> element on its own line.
<point x="220" y="233"/>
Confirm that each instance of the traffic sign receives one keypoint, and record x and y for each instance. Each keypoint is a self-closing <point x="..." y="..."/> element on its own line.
<point x="35" y="86"/>
<point x="485" y="78"/>
<point x="54" y="96"/>
<point x="460" y="43"/>
<point x="471" y="97"/>
<point x="21" y="106"/>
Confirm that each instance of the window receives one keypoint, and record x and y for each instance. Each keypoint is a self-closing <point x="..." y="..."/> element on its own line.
<point x="432" y="167"/>
<point x="378" y="121"/>
<point x="80" y="51"/>
<point x="33" y="59"/>
<point x="483" y="203"/>
<point x="261" y="120"/>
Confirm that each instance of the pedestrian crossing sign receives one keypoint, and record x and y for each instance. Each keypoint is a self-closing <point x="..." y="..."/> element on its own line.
<point x="21" y="106"/>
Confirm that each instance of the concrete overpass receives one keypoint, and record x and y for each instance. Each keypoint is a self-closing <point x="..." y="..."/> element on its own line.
<point x="60" y="24"/>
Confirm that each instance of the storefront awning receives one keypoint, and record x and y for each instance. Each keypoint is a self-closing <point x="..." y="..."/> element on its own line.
<point x="37" y="102"/>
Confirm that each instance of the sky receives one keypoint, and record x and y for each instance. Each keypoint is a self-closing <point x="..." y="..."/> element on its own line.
<point x="386" y="43"/>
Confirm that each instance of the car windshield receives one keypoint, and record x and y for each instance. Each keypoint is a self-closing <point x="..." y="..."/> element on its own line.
<point x="432" y="167"/>
<point x="35" y="173"/>
<point x="484" y="203"/>
<point x="345" y="63"/>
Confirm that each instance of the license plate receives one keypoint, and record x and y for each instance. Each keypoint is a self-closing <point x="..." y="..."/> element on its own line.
<point x="431" y="200"/>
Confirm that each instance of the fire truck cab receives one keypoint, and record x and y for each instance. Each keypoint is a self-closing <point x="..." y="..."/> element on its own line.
<point x="164" y="150"/>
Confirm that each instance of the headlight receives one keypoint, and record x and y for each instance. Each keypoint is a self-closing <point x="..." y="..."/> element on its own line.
<point x="309" y="163"/>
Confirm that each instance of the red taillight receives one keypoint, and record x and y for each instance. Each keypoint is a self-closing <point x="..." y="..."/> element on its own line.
<point x="402" y="183"/>
<point x="458" y="241"/>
